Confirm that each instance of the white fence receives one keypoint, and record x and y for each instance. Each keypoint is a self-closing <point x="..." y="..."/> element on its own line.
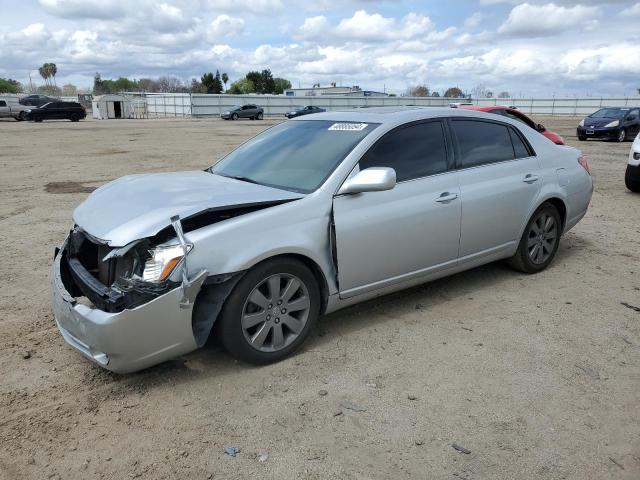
<point x="203" y="105"/>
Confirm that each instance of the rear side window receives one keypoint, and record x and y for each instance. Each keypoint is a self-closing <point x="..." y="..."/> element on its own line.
<point x="519" y="147"/>
<point x="3" y="103"/>
<point x="485" y="142"/>
<point x="413" y="151"/>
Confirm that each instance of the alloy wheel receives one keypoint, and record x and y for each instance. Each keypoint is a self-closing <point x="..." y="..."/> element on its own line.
<point x="275" y="312"/>
<point x="543" y="234"/>
<point x="622" y="136"/>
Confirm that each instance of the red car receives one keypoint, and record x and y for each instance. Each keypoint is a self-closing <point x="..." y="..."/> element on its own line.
<point x="517" y="115"/>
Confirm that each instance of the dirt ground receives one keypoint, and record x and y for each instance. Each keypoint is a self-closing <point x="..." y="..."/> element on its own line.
<point x="537" y="376"/>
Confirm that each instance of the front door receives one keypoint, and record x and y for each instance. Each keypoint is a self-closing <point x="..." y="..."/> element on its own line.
<point x="383" y="238"/>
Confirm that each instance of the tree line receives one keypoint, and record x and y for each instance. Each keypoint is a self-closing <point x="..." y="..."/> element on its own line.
<point x="252" y="82"/>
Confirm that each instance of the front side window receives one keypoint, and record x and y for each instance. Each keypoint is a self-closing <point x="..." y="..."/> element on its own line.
<point x="296" y="156"/>
<point x="482" y="142"/>
<point x="413" y="151"/>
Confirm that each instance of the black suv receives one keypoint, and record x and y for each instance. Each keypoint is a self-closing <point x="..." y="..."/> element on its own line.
<point x="57" y="111"/>
<point x="613" y="123"/>
<point x="36" y="100"/>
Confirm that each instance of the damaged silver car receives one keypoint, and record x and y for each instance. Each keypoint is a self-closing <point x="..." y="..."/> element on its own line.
<point x="308" y="217"/>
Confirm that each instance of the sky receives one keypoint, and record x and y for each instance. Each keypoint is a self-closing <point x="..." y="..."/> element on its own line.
<point x="533" y="48"/>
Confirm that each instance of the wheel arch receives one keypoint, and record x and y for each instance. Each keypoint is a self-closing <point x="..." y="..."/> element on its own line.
<point x="560" y="206"/>
<point x="312" y="265"/>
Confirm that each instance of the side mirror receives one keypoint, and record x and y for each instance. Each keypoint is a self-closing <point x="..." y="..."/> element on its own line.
<point x="540" y="127"/>
<point x="374" y="179"/>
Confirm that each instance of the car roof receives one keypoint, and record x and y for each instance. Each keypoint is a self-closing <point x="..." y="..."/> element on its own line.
<point x="395" y="115"/>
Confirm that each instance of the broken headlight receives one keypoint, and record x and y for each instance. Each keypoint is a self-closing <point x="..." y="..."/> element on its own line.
<point x="162" y="261"/>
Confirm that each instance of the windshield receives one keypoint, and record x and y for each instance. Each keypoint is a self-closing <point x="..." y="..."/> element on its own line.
<point x="610" y="113"/>
<point x="297" y="155"/>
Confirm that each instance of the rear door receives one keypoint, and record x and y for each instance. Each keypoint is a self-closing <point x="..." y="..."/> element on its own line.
<point x="500" y="182"/>
<point x="632" y="123"/>
<point x="384" y="238"/>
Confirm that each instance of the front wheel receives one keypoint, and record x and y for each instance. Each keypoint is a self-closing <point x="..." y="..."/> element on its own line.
<point x="582" y="138"/>
<point x="260" y="115"/>
<point x="540" y="240"/>
<point x="632" y="178"/>
<point x="270" y="312"/>
<point x="622" y="135"/>
<point x="234" y="116"/>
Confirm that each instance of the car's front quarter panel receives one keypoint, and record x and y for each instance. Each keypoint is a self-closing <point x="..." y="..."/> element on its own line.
<point x="299" y="227"/>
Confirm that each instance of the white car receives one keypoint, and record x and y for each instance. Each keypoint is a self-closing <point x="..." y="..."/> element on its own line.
<point x="632" y="176"/>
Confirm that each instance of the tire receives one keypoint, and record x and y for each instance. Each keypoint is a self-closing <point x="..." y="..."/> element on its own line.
<point x="37" y="119"/>
<point x="260" y="115"/>
<point x="632" y="178"/>
<point x="243" y="321"/>
<point x="234" y="116"/>
<point x="582" y="138"/>
<point x="535" y="252"/>
<point x="74" y="118"/>
<point x="622" y="135"/>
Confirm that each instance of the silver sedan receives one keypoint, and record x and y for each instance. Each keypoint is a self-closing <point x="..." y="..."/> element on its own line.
<point x="308" y="217"/>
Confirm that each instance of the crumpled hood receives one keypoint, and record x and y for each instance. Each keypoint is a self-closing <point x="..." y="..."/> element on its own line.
<point x="139" y="206"/>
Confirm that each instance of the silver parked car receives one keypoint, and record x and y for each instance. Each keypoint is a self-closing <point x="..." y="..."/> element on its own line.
<point x="308" y="217"/>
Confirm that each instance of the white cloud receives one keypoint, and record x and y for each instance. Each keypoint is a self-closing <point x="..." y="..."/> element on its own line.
<point x="474" y="20"/>
<point x="366" y="27"/>
<point x="253" y="6"/>
<point x="632" y="11"/>
<point x="527" y="20"/>
<point x="102" y="9"/>
<point x="226" y="26"/>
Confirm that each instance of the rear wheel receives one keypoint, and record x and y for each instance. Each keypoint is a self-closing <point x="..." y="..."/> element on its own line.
<point x="632" y="178"/>
<point x="260" y="115"/>
<point x="270" y="312"/>
<point x="539" y="241"/>
<point x="74" y="117"/>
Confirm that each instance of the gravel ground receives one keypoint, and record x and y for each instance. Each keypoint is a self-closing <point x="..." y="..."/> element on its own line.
<point x="536" y="376"/>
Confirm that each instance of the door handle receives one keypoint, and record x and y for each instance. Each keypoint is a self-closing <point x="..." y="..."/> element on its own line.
<point x="446" y="197"/>
<point x="529" y="178"/>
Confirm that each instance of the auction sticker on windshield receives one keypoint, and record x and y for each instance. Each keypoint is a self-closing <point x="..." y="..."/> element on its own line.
<point x="348" y="127"/>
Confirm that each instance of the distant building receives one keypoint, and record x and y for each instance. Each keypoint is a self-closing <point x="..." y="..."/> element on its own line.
<point x="317" y="91"/>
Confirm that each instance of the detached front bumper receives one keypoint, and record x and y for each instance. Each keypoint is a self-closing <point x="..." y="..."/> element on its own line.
<point x="124" y="341"/>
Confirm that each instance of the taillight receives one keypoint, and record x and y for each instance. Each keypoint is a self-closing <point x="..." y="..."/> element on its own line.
<point x="583" y="161"/>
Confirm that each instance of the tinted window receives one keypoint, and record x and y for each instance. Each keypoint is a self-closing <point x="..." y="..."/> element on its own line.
<point x="413" y="152"/>
<point x="519" y="147"/>
<point x="3" y="103"/>
<point x="482" y="142"/>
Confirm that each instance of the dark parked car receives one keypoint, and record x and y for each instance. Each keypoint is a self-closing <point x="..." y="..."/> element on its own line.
<point x="57" y="111"/>
<point x="299" y="111"/>
<point x="613" y="123"/>
<point x="37" y="100"/>
<point x="243" y="111"/>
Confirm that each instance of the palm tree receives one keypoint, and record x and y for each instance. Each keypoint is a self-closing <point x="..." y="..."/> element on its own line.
<point x="53" y="69"/>
<point x="44" y="73"/>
